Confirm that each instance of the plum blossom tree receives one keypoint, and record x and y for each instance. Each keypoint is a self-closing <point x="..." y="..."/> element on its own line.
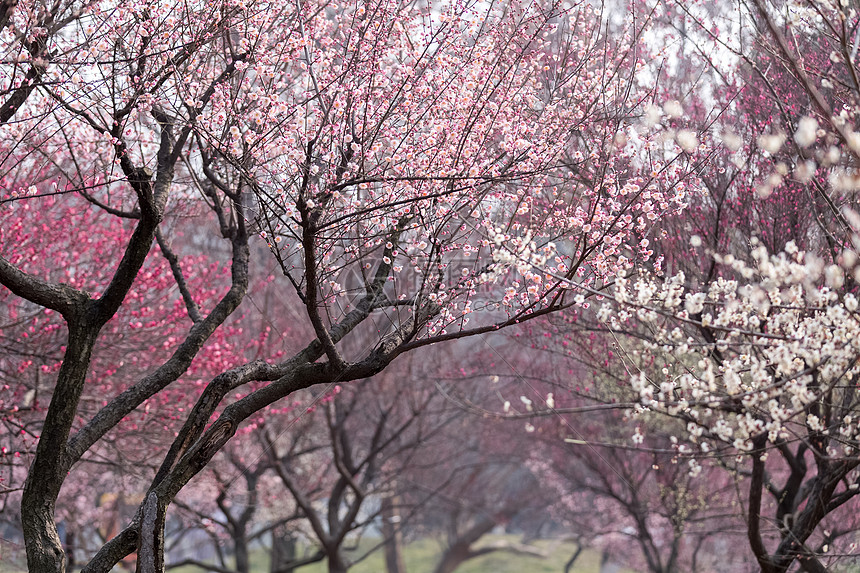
<point x="749" y="342"/>
<point x="639" y="505"/>
<point x="755" y="354"/>
<point x="34" y="347"/>
<point x="235" y="503"/>
<point x="477" y="483"/>
<point x="565" y="401"/>
<point x="776" y="379"/>
<point x="369" y="144"/>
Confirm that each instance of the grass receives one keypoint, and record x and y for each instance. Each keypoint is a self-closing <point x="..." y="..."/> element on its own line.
<point x="421" y="556"/>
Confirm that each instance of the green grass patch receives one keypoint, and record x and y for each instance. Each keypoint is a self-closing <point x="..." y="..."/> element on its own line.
<point x="421" y="557"/>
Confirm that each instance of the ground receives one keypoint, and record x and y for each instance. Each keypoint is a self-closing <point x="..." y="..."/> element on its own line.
<point x="420" y="557"/>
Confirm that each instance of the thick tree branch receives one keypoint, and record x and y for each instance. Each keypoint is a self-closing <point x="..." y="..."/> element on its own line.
<point x="60" y="297"/>
<point x="176" y="365"/>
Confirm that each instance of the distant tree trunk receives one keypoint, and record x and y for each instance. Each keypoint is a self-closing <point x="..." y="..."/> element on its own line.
<point x="283" y="550"/>
<point x="572" y="560"/>
<point x="336" y="562"/>
<point x="243" y="564"/>
<point x="453" y="558"/>
<point x="607" y="566"/>
<point x="461" y="549"/>
<point x="393" y="536"/>
<point x="69" y="546"/>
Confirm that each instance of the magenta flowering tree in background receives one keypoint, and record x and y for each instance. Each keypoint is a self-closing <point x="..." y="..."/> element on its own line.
<point x="370" y="145"/>
<point x="144" y="329"/>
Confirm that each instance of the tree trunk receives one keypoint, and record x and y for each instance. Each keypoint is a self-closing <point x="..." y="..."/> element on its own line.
<point x="48" y="469"/>
<point x="283" y="550"/>
<point x="336" y="562"/>
<point x="44" y="548"/>
<point x="70" y="548"/>
<point x="461" y="549"/>
<point x="453" y="558"/>
<point x="569" y="565"/>
<point x="606" y="566"/>
<point x="243" y="564"/>
<point x="393" y="536"/>
<point x="150" y="554"/>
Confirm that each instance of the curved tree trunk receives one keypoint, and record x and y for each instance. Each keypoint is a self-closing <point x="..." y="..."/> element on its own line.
<point x="569" y="565"/>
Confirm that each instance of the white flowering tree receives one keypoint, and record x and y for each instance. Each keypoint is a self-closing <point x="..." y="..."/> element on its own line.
<point x="778" y="378"/>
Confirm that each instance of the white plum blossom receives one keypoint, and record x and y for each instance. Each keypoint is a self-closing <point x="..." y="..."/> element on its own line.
<point x="687" y="140"/>
<point x="732" y="141"/>
<point x="782" y="341"/>
<point x="771" y="143"/>
<point x="807" y="129"/>
<point x="673" y="109"/>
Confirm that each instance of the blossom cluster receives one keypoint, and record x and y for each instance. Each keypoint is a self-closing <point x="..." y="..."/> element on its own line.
<point x="773" y="353"/>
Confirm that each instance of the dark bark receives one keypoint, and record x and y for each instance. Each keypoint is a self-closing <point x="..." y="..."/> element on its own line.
<point x="238" y="523"/>
<point x="70" y="549"/>
<point x="452" y="559"/>
<point x="150" y="555"/>
<point x="460" y="550"/>
<point x="754" y="509"/>
<point x="85" y="318"/>
<point x="6" y="8"/>
<point x="49" y="467"/>
<point x="792" y="546"/>
<point x="39" y="54"/>
<point x="569" y="565"/>
<point x="810" y="564"/>
<point x="336" y="562"/>
<point x="198" y="455"/>
<point x="243" y="562"/>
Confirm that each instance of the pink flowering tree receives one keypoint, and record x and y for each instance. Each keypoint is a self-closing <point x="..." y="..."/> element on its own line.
<point x="563" y="396"/>
<point x="234" y="503"/>
<point x="371" y="146"/>
<point x="638" y="504"/>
